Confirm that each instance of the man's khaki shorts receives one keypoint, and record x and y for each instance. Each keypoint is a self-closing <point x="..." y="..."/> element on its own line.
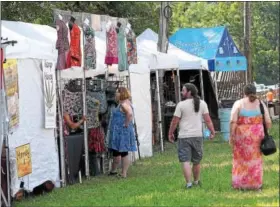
<point x="190" y="149"/>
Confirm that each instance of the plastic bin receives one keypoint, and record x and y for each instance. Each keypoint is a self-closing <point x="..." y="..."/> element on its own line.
<point x="224" y="115"/>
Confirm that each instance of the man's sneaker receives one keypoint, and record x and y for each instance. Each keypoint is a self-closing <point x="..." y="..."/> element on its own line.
<point x="198" y="184"/>
<point x="188" y="186"/>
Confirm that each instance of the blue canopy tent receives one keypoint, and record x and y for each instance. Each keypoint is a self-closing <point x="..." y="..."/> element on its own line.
<point x="215" y="45"/>
<point x="217" y="50"/>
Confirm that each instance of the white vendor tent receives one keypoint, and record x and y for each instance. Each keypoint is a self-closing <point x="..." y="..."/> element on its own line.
<point x="147" y="42"/>
<point x="141" y="100"/>
<point x="35" y="43"/>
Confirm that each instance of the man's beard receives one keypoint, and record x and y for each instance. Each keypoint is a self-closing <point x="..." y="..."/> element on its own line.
<point x="184" y="97"/>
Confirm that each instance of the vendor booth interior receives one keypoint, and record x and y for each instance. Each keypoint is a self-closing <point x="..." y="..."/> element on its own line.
<point x="189" y="69"/>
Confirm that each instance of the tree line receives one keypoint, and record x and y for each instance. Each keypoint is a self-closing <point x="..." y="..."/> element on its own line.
<point x="143" y="15"/>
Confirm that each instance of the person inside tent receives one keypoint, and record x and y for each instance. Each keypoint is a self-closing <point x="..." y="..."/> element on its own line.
<point x="269" y="99"/>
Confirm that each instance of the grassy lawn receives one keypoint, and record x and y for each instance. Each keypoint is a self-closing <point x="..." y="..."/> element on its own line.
<point x="158" y="181"/>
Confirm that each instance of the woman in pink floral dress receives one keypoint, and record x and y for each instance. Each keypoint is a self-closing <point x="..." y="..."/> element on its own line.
<point x="246" y="134"/>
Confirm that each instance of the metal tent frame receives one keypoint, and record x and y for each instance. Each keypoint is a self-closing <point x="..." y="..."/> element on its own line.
<point x="4" y="126"/>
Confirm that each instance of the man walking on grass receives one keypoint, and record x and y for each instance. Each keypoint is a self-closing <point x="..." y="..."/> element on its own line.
<point x="188" y="115"/>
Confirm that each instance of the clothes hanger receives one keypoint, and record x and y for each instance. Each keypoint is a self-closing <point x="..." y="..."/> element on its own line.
<point x="86" y="22"/>
<point x="128" y="28"/>
<point x="108" y="25"/>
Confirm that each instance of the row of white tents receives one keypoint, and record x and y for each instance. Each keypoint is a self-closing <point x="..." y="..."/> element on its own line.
<point x="37" y="43"/>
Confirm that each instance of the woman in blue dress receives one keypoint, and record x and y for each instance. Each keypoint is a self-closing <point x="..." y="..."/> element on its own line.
<point x="122" y="135"/>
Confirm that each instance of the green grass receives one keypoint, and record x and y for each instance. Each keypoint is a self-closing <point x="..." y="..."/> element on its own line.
<point x="158" y="181"/>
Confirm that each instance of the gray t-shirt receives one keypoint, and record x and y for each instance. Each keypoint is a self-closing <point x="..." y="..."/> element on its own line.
<point x="190" y="122"/>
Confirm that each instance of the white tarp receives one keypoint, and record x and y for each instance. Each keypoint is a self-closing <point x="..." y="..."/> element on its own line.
<point x="141" y="100"/>
<point x="148" y="43"/>
<point x="35" y="43"/>
<point x="44" y="155"/>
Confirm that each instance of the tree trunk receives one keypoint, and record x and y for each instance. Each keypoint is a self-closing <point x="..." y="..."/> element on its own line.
<point x="247" y="40"/>
<point x="162" y="46"/>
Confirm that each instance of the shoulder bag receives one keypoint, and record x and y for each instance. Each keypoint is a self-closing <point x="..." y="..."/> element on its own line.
<point x="268" y="145"/>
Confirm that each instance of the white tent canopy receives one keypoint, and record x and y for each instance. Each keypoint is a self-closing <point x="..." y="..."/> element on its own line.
<point x="34" y="41"/>
<point x="34" y="45"/>
<point x="147" y="41"/>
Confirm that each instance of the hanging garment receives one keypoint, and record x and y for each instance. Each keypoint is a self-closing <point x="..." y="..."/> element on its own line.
<point x="111" y="47"/>
<point x="122" y="63"/>
<point x="101" y="97"/>
<point x="131" y="48"/>
<point x="96" y="140"/>
<point x="93" y="106"/>
<point x="72" y="103"/>
<point x="111" y="108"/>
<point x="121" y="138"/>
<point x="96" y="22"/>
<point x="2" y="69"/>
<point x="75" y="47"/>
<point x="89" y="48"/>
<point x="62" y="45"/>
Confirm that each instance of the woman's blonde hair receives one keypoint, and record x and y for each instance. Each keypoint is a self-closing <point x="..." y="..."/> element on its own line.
<point x="124" y="93"/>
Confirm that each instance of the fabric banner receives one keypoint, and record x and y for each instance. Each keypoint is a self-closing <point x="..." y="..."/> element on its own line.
<point x="23" y="157"/>
<point x="49" y="82"/>
<point x="12" y="91"/>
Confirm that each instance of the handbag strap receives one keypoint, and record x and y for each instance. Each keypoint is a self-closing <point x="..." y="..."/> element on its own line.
<point x="264" y="125"/>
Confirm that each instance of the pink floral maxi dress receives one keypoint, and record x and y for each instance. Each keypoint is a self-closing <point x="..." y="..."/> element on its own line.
<point x="247" y="170"/>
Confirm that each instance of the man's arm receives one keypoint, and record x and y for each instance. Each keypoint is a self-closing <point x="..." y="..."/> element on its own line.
<point x="207" y="119"/>
<point x="209" y="123"/>
<point x="174" y="123"/>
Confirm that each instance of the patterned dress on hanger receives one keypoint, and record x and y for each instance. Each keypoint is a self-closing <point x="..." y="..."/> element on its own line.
<point x="122" y="65"/>
<point x="131" y="48"/>
<point x="111" y="47"/>
<point x="96" y="140"/>
<point x="72" y="103"/>
<point x="75" y="55"/>
<point x="62" y="45"/>
<point x="89" y="48"/>
<point x="93" y="107"/>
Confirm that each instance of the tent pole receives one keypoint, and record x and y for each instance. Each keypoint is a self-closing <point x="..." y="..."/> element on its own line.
<point x="202" y="95"/>
<point x="4" y="132"/>
<point x="179" y="84"/>
<point x="216" y="85"/>
<point x="246" y="77"/>
<point x="159" y="113"/>
<point x="8" y="168"/>
<point x="85" y="127"/>
<point x="201" y="84"/>
<point x="60" y="116"/>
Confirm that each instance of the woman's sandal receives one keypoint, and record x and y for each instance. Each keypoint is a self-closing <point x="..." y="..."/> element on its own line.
<point x="112" y="173"/>
<point x="120" y="176"/>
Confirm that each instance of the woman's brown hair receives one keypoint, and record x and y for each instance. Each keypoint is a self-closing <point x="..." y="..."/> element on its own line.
<point x="124" y="93"/>
<point x="250" y="91"/>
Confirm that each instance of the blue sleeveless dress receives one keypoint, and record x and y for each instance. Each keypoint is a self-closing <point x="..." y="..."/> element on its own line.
<point x="121" y="138"/>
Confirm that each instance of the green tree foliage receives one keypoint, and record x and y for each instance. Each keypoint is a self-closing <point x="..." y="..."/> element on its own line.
<point x="265" y="41"/>
<point x="142" y="15"/>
